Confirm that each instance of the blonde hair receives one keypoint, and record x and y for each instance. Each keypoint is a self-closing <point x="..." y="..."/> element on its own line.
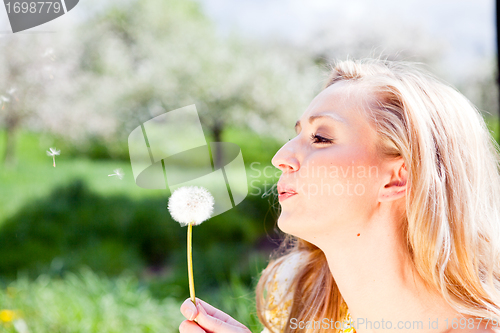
<point x="452" y="221"/>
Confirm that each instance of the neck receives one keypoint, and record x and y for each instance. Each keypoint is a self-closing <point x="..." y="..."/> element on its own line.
<point x="378" y="282"/>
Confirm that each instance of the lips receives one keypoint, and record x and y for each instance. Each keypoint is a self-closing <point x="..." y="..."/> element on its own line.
<point x="283" y="188"/>
<point x="285" y="191"/>
<point x="285" y="195"/>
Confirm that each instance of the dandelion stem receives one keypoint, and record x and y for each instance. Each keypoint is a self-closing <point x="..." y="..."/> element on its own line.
<point x="54" y="159"/>
<point x="190" y="263"/>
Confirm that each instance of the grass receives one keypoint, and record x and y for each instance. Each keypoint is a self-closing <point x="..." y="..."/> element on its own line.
<point x="86" y="302"/>
<point x="33" y="176"/>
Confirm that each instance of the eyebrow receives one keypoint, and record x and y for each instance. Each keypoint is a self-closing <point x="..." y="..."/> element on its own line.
<point x="320" y="116"/>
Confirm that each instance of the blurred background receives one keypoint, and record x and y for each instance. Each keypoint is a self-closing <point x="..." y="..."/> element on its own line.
<point x="83" y="251"/>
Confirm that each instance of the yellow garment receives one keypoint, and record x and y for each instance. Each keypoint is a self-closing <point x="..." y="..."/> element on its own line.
<point x="348" y="324"/>
<point x="279" y="305"/>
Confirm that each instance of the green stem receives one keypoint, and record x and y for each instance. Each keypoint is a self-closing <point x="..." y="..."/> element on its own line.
<point x="190" y="263"/>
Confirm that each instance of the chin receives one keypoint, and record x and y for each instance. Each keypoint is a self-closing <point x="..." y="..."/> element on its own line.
<point x="284" y="224"/>
<point x="300" y="229"/>
<point x="289" y="226"/>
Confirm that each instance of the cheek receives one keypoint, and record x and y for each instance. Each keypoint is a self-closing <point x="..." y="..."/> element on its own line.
<point x="350" y="180"/>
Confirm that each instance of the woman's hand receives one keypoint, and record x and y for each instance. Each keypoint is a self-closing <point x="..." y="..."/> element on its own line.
<point x="208" y="319"/>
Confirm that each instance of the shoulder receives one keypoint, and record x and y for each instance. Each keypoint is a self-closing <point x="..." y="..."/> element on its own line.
<point x="279" y="287"/>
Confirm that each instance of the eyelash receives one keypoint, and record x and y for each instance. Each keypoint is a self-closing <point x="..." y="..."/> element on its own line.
<point x="323" y="140"/>
<point x="317" y="137"/>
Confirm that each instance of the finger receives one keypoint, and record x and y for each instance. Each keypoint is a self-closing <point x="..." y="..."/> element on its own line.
<point x="216" y="325"/>
<point x="188" y="326"/>
<point x="216" y="313"/>
<point x="189" y="310"/>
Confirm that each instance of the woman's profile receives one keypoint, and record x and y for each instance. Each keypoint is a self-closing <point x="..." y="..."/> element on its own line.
<point x="390" y="202"/>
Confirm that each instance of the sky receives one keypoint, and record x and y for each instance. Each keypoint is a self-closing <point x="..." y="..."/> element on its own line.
<point x="467" y="27"/>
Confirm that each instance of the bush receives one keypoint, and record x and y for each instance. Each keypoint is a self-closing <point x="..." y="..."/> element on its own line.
<point x="75" y="227"/>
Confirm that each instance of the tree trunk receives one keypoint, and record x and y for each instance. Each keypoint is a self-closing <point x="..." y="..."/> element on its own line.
<point x="10" y="145"/>
<point x="217" y="134"/>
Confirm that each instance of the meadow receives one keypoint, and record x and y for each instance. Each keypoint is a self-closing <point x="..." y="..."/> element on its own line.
<point x="86" y="252"/>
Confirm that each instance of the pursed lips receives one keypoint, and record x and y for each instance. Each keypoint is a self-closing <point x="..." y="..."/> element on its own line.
<point x="282" y="188"/>
<point x="285" y="191"/>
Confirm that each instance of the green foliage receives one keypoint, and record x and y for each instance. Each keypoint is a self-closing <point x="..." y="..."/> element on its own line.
<point x="493" y="124"/>
<point x="237" y="298"/>
<point x="87" y="302"/>
<point x="75" y="226"/>
<point x="73" y="216"/>
<point x="254" y="148"/>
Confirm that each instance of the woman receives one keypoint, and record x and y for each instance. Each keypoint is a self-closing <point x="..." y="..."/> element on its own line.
<point x="390" y="197"/>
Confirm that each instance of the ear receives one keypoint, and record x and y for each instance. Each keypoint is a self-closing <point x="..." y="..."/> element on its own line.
<point x="395" y="183"/>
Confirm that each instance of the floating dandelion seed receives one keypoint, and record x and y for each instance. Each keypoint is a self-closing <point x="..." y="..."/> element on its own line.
<point x="117" y="172"/>
<point x="3" y="100"/>
<point x="190" y="205"/>
<point x="53" y="152"/>
<point x="11" y="92"/>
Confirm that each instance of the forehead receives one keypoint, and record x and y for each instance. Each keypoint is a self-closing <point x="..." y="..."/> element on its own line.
<point x="346" y="100"/>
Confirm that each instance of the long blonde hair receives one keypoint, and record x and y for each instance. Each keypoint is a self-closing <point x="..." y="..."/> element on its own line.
<point x="452" y="222"/>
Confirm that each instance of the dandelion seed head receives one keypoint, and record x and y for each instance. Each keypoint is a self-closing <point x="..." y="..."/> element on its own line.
<point x="191" y="204"/>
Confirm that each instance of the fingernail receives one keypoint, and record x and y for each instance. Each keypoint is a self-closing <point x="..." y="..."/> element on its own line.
<point x="190" y="314"/>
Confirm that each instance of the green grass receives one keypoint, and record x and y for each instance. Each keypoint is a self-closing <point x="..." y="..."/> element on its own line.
<point x="35" y="197"/>
<point x="87" y="302"/>
<point x="33" y="176"/>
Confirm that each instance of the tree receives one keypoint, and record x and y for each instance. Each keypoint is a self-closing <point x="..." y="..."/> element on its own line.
<point x="154" y="56"/>
<point x="25" y="71"/>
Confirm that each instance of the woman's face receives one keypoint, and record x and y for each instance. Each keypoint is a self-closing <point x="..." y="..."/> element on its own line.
<point x="332" y="165"/>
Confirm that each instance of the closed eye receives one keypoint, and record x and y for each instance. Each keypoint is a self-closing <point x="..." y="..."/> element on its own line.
<point x="320" y="139"/>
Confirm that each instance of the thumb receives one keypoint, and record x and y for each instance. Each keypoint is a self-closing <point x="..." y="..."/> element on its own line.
<point x="212" y="324"/>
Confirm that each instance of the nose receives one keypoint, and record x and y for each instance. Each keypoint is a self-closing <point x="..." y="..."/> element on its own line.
<point x="285" y="159"/>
